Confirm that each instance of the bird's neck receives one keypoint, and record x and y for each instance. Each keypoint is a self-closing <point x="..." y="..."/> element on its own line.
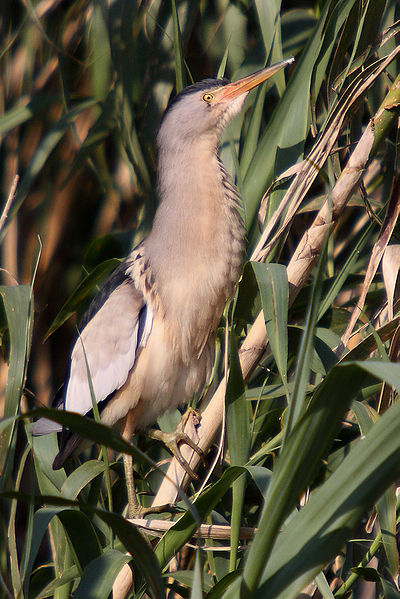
<point x="193" y="204"/>
<point x="196" y="243"/>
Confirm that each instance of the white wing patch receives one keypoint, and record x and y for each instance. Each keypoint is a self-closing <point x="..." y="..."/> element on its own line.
<point x="110" y="342"/>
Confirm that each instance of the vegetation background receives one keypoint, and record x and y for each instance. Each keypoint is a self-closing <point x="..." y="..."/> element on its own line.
<point x="312" y="428"/>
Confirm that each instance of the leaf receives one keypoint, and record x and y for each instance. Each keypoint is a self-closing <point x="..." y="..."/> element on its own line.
<point x="299" y="459"/>
<point x="274" y="290"/>
<point x="21" y="113"/>
<point x="238" y="436"/>
<point x="18" y="310"/>
<point x="89" y="429"/>
<point x="261" y="476"/>
<point x="303" y="363"/>
<point x="389" y="223"/>
<point x="390" y="271"/>
<point x="268" y="14"/>
<point x="179" y="62"/>
<point x="369" y="344"/>
<point x="69" y="511"/>
<point x="386" y="505"/>
<point x="318" y="531"/>
<point x="82" y="476"/>
<point x="83" y="538"/>
<point x="345" y="271"/>
<point x="223" y="584"/>
<point x="99" y="576"/>
<point x="197" y="588"/>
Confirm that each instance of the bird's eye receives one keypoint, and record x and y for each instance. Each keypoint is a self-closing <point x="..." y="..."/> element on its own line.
<point x="208" y="98"/>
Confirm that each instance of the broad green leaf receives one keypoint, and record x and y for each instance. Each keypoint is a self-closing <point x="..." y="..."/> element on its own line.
<point x="179" y="62"/>
<point x="123" y="529"/>
<point x="186" y="577"/>
<point x="335" y="509"/>
<point x="299" y="459"/>
<point x="50" y="590"/>
<point x="268" y="14"/>
<point x="16" y="568"/>
<point x="386" y="505"/>
<point x="321" y="527"/>
<point x="93" y="431"/>
<point x="238" y="436"/>
<point x="261" y="476"/>
<point x="138" y="547"/>
<point x="82" y="535"/>
<point x="17" y="304"/>
<point x="79" y="529"/>
<point x="274" y="290"/>
<point x="99" y="575"/>
<point x="323" y="586"/>
<point x="197" y="588"/>
<point x="218" y="590"/>
<point x="97" y="433"/>
<point x="81" y="477"/>
<point x="323" y="357"/>
<point x="297" y="26"/>
<point x="269" y="18"/>
<point x="389" y="589"/>
<point x="44" y="450"/>
<point x="270" y="447"/>
<point x="345" y="271"/>
<point x="303" y="363"/>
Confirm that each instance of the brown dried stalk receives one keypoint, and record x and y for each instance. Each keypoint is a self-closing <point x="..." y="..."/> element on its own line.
<point x="10" y="199"/>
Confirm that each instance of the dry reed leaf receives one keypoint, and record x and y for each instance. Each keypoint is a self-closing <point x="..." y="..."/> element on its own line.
<point x="313" y="163"/>
<point x="390" y="271"/>
<point x="387" y="393"/>
<point x="377" y="253"/>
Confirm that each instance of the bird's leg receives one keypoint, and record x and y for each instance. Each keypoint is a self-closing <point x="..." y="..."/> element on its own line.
<point x="172" y="440"/>
<point x="133" y="504"/>
<point x="135" y="510"/>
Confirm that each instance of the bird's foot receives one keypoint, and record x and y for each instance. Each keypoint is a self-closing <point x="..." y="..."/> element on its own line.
<point x="172" y="440"/>
<point x="137" y="511"/>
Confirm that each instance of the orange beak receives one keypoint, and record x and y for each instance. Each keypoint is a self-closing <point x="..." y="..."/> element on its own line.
<point x="237" y="88"/>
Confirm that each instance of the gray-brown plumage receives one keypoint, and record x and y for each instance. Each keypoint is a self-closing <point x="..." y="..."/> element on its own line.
<point x="149" y="335"/>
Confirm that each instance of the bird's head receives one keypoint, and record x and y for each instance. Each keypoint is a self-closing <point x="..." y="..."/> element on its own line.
<point x="204" y="109"/>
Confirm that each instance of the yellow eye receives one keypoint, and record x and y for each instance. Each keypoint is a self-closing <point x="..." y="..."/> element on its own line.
<point x="208" y="98"/>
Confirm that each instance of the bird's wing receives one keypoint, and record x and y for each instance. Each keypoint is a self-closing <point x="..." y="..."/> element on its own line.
<point x="117" y="325"/>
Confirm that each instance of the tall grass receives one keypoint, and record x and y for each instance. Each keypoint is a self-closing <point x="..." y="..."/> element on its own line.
<point x="306" y="489"/>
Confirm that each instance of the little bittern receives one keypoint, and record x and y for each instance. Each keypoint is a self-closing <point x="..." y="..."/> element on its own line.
<point x="148" y="336"/>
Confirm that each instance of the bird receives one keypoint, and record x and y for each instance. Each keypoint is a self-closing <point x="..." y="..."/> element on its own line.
<point x="147" y="341"/>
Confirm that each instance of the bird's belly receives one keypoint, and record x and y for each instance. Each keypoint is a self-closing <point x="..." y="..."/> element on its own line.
<point x="161" y="379"/>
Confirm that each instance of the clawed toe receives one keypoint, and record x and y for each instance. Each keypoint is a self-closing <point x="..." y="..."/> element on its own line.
<point x="141" y="512"/>
<point x="172" y="441"/>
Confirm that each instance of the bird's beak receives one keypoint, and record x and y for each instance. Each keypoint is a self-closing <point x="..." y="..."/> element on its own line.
<point x="237" y="88"/>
